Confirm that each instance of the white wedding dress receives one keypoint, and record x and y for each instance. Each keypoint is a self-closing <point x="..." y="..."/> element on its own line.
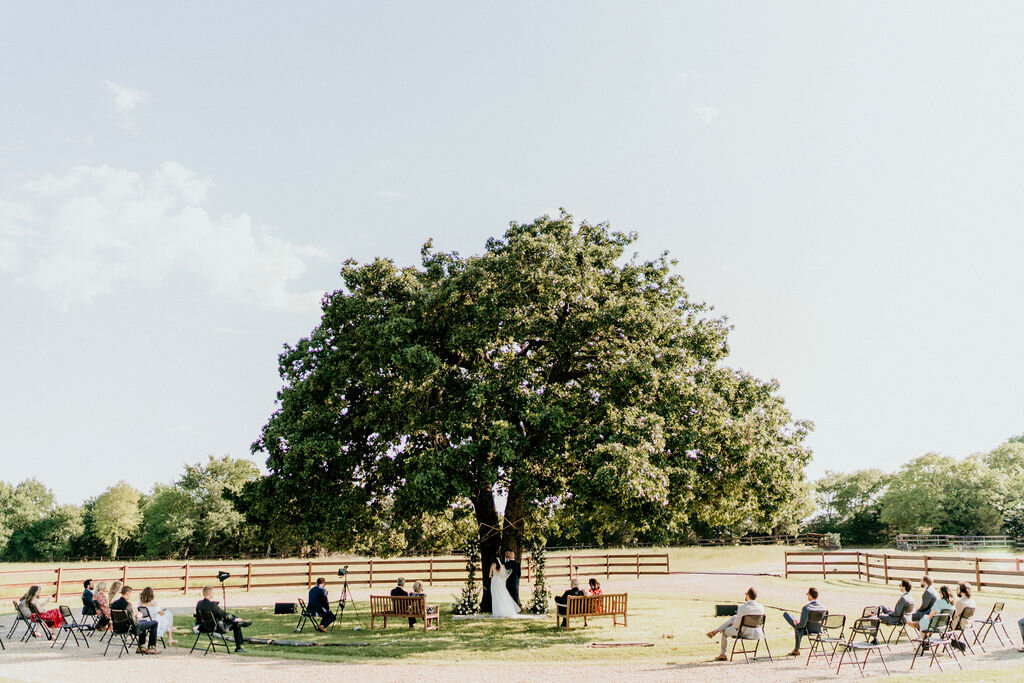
<point x="502" y="604"/>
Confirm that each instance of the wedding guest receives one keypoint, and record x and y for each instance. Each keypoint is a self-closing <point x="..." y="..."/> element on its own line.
<point x="563" y="600"/>
<point x="943" y="604"/>
<point x="114" y="592"/>
<point x="88" y="608"/>
<point x="731" y="627"/>
<point x="144" y="627"/>
<point x="103" y="605"/>
<point x="894" y="617"/>
<point x="35" y="603"/>
<point x="223" y="619"/>
<point x="803" y="627"/>
<point x="595" y="587"/>
<point x="162" y="616"/>
<point x="963" y="591"/>
<point x="319" y="604"/>
<point x="928" y="599"/>
<point x="399" y="591"/>
<point x="417" y="592"/>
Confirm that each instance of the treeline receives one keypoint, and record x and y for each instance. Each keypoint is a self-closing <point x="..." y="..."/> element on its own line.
<point x="982" y="494"/>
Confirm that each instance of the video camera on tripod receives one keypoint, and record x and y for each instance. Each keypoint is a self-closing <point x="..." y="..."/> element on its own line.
<point x="223" y="576"/>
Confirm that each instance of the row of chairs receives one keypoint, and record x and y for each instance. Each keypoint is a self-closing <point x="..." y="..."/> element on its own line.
<point x="867" y="635"/>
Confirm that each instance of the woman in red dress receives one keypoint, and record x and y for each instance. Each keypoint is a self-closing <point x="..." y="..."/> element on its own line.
<point x="595" y="590"/>
<point x="51" y="617"/>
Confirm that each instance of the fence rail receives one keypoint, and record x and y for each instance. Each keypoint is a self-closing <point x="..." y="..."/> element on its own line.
<point x="983" y="572"/>
<point x="248" y="575"/>
<point x="915" y="541"/>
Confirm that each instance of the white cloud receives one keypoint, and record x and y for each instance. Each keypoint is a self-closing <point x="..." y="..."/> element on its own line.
<point x="707" y="114"/>
<point x="126" y="100"/>
<point x="97" y="229"/>
<point x="389" y="195"/>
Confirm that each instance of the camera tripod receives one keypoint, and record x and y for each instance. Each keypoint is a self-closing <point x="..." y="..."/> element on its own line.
<point x="346" y="597"/>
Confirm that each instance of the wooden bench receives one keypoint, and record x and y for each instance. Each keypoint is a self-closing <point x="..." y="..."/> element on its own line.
<point x="610" y="605"/>
<point x="404" y="607"/>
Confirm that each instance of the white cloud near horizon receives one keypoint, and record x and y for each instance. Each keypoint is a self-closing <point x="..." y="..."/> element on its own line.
<point x="97" y="229"/>
<point x="126" y="100"/>
<point x="707" y="114"/>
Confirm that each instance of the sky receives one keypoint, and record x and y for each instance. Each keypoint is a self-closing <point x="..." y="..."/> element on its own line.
<point x="180" y="182"/>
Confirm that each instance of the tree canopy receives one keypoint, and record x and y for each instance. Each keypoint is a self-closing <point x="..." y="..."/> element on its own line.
<point x="551" y="371"/>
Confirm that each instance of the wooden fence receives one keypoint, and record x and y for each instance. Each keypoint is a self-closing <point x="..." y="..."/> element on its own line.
<point x="982" y="572"/>
<point x="916" y="541"/>
<point x="255" y="575"/>
<point x="819" y="540"/>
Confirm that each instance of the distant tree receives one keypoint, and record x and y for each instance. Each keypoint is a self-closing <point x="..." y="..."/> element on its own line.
<point x="974" y="499"/>
<point x="116" y="515"/>
<point x="48" y="538"/>
<point x="917" y="494"/>
<point x="551" y="367"/>
<point x="169" y="522"/>
<point x="219" y="528"/>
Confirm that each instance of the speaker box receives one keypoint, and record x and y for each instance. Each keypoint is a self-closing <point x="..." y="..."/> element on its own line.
<point x="284" y="608"/>
<point x="725" y="610"/>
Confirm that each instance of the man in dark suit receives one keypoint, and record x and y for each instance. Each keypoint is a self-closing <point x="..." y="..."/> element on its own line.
<point x="563" y="599"/>
<point x="894" y="616"/>
<point x="514" y="572"/>
<point x="88" y="608"/>
<point x="319" y="604"/>
<point x="223" y="619"/>
<point x="927" y="599"/>
<point x="804" y="626"/>
<point x="142" y="626"/>
<point x="399" y="591"/>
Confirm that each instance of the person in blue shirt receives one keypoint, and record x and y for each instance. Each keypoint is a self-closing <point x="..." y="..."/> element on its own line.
<point x="802" y="627"/>
<point x="319" y="604"/>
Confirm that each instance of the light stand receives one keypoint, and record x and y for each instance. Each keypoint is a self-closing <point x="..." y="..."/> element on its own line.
<point x="346" y="597"/>
<point x="222" y="577"/>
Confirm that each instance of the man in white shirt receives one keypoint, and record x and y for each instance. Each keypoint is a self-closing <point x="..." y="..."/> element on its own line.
<point x="730" y="629"/>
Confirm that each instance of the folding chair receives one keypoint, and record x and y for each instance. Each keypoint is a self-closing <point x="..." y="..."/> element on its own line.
<point x="750" y="621"/>
<point x="937" y="637"/>
<point x="144" y="611"/>
<point x="304" y="616"/>
<point x="122" y="628"/>
<point x="900" y="628"/>
<point x="89" y="613"/>
<point x="208" y="626"/>
<point x="988" y="625"/>
<point x="71" y="628"/>
<point x="102" y="623"/>
<point x="869" y="628"/>
<point x="19" y="618"/>
<point x="31" y="615"/>
<point x="958" y="630"/>
<point x="832" y="628"/>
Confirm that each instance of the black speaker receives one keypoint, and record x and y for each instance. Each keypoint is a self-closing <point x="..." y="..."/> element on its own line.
<point x="284" y="608"/>
<point x="725" y="610"/>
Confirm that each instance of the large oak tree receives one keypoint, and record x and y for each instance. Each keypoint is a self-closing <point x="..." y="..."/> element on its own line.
<point x="552" y="369"/>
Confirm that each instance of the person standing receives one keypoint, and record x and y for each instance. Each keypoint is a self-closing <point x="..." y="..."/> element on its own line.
<point x="514" y="572"/>
<point x="320" y="605"/>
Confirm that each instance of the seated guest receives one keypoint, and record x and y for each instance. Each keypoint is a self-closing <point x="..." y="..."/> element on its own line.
<point x="114" y="592"/>
<point x="223" y="619"/>
<point x="595" y="587"/>
<point x="731" y="627"/>
<point x="88" y="608"/>
<point x="894" y="616"/>
<point x="417" y="592"/>
<point x="34" y="602"/>
<point x="943" y="604"/>
<point x="802" y="627"/>
<point x="928" y="599"/>
<point x="399" y="591"/>
<point x="964" y="600"/>
<point x="142" y="626"/>
<point x="319" y="604"/>
<point x="563" y="600"/>
<point x="99" y="598"/>
<point x="163" y="617"/>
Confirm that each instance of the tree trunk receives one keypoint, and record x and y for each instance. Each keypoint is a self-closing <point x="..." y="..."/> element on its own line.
<point x="113" y="550"/>
<point x="490" y="539"/>
<point x="513" y="527"/>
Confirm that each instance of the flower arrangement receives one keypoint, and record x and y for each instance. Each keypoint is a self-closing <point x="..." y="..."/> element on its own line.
<point x="469" y="601"/>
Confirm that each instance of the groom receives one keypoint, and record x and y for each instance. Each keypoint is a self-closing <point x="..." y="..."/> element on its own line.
<point x="514" y="572"/>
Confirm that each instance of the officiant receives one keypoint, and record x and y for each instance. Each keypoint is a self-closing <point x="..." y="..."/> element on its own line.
<point x="514" y="572"/>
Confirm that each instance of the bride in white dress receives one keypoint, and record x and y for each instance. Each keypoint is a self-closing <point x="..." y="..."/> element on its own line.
<point x="502" y="604"/>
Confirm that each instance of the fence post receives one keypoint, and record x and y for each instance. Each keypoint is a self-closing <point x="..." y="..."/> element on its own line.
<point x="57" y="594"/>
<point x="925" y="564"/>
<point x="867" y="565"/>
<point x="638" y="565"/>
<point x="822" y="566"/>
<point x="309" y="574"/>
<point x="786" y="570"/>
<point x="608" y="567"/>
<point x="1018" y="565"/>
<point x="184" y="585"/>
<point x="430" y="578"/>
<point x="885" y="565"/>
<point x="371" y="573"/>
<point x="668" y="560"/>
<point x="124" y="574"/>
<point x="858" y="565"/>
<point x="248" y="578"/>
<point x="977" y="573"/>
